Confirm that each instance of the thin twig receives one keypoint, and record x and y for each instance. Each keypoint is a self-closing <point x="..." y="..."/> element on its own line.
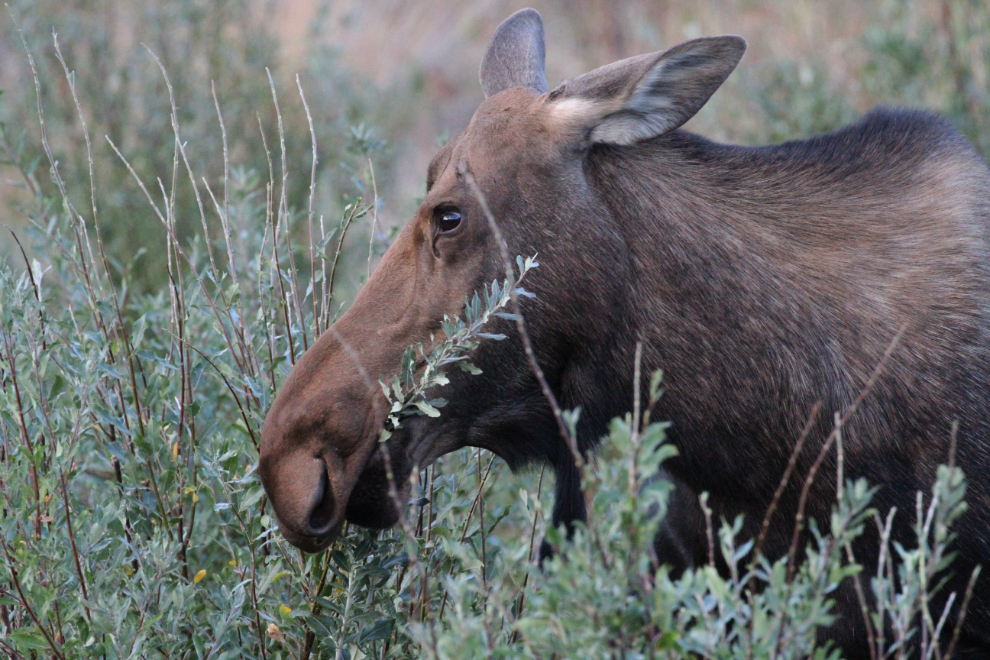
<point x="467" y="522"/>
<point x="863" y="606"/>
<point x="36" y="287"/>
<point x="826" y="447"/>
<point x="225" y="215"/>
<point x="284" y="213"/>
<point x="328" y="302"/>
<point x="312" y="192"/>
<point x="957" y="631"/>
<point x="571" y="442"/>
<point x="785" y="479"/>
<point x="27" y="606"/>
<point x="374" y="218"/>
<point x="532" y="545"/>
<point x="72" y="541"/>
<point x="315" y="607"/>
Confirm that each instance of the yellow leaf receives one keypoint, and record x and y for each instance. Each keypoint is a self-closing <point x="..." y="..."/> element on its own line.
<point x="199" y="576"/>
<point x="285" y="608"/>
<point x="275" y="633"/>
<point x="175" y="450"/>
<point x="280" y="574"/>
<point x="232" y="562"/>
<point x="195" y="498"/>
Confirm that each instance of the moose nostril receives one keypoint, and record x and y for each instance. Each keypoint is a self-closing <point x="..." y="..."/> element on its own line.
<point x="321" y="517"/>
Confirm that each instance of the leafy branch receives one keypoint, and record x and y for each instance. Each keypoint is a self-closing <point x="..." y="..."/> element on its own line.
<point x="421" y="370"/>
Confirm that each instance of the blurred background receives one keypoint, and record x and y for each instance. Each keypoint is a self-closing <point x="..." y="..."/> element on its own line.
<point x="387" y="81"/>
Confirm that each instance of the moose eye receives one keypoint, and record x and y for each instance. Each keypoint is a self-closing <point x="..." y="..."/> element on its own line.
<point x="449" y="220"/>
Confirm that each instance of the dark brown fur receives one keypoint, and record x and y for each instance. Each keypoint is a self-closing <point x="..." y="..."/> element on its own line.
<point x="761" y="280"/>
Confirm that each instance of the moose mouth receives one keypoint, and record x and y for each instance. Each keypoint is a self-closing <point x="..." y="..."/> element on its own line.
<point x="355" y="490"/>
<point x="367" y="499"/>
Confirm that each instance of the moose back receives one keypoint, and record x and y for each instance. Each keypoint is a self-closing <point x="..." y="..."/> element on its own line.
<point x="763" y="281"/>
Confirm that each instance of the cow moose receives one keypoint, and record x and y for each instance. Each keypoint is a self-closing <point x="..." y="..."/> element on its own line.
<point x="764" y="281"/>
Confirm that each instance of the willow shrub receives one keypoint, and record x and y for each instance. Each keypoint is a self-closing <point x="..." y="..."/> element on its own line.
<point x="133" y="524"/>
<point x="216" y="52"/>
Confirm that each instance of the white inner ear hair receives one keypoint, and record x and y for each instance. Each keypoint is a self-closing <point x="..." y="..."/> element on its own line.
<point x="577" y="111"/>
<point x="643" y="115"/>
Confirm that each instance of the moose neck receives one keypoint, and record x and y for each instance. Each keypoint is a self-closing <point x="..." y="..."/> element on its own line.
<point x="724" y="320"/>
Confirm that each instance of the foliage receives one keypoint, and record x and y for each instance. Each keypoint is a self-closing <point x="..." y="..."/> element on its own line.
<point x="941" y="63"/>
<point x="933" y="55"/>
<point x="216" y="53"/>
<point x="420" y="372"/>
<point x="605" y="597"/>
<point x="797" y="101"/>
<point x="132" y="521"/>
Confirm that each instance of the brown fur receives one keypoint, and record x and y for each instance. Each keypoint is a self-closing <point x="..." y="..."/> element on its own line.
<point x="761" y="280"/>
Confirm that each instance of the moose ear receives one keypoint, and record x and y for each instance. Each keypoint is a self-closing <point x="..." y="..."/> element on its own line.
<point x="642" y="97"/>
<point x="516" y="56"/>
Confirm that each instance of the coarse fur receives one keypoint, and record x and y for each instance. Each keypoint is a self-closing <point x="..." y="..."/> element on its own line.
<point x="763" y="281"/>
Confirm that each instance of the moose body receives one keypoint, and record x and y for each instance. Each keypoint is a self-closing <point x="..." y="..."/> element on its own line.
<point x="766" y="282"/>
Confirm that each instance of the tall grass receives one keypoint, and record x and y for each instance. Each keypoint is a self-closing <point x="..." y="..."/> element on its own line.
<point x="133" y="524"/>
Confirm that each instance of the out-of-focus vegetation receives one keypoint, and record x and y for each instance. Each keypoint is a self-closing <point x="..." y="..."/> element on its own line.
<point x="218" y="56"/>
<point x="386" y="80"/>
<point x="164" y="293"/>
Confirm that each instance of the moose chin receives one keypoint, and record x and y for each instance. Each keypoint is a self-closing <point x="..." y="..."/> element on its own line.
<point x="766" y="282"/>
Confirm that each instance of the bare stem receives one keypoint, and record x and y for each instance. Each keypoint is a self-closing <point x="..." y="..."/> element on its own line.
<point x="521" y="323"/>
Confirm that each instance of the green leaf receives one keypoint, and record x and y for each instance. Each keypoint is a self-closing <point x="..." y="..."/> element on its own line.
<point x="380" y="629"/>
<point x="318" y="627"/>
<point x="427" y="409"/>
<point x="468" y="367"/>
<point x="655" y="381"/>
<point x="29" y="641"/>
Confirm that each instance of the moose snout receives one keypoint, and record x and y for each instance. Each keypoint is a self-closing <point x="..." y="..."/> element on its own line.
<point x="309" y="466"/>
<point x="302" y="492"/>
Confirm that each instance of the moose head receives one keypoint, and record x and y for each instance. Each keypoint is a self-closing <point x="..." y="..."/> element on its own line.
<point x="528" y="150"/>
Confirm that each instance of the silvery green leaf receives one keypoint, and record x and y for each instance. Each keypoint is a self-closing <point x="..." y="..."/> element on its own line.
<point x="655" y="383"/>
<point x="427" y="409"/>
<point x="468" y="367"/>
<point x="326" y="239"/>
